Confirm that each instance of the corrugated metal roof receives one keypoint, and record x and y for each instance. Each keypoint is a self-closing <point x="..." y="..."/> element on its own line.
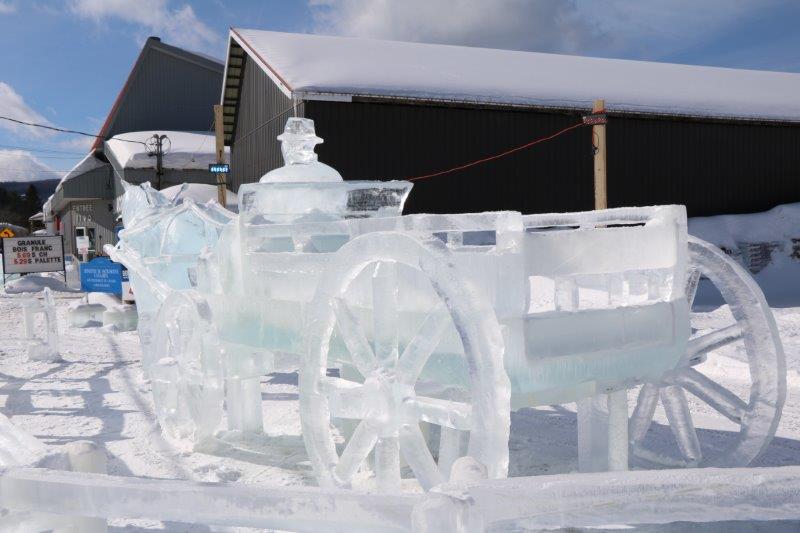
<point x="321" y="67"/>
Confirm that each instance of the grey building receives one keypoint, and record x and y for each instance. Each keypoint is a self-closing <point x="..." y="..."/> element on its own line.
<point x="717" y="140"/>
<point x="169" y="91"/>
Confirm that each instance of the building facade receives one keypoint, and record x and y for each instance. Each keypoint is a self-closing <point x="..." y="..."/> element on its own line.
<point x="716" y="140"/>
<point x="168" y="91"/>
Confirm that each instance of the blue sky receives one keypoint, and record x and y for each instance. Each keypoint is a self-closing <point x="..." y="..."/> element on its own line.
<point x="64" y="61"/>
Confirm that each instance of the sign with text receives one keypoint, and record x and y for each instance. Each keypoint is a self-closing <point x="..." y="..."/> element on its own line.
<point x="23" y="255"/>
<point x="219" y="168"/>
<point x="101" y="274"/>
<point x="82" y="244"/>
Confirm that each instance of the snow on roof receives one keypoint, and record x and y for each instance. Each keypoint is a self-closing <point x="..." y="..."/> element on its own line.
<point x="90" y="162"/>
<point x="182" y="151"/>
<point x="200" y="193"/>
<point x="319" y="67"/>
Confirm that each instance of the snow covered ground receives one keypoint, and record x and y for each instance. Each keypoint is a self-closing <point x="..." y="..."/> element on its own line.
<point x="97" y="393"/>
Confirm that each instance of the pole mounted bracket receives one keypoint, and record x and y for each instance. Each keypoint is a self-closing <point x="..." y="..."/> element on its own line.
<point x="595" y="119"/>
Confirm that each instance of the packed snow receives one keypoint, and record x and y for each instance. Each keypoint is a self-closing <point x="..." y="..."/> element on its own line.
<point x="182" y="151"/>
<point x="310" y="66"/>
<point x="37" y="283"/>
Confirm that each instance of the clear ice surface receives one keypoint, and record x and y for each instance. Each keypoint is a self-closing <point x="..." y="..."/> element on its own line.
<point x="41" y="348"/>
<point x="451" y="320"/>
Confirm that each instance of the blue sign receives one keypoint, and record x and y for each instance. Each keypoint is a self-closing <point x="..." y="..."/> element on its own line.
<point x="219" y="168"/>
<point x="101" y="274"/>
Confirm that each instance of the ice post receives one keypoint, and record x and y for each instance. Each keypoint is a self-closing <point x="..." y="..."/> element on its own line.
<point x="41" y="349"/>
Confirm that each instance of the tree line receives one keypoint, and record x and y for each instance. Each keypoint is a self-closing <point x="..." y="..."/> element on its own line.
<point x="17" y="208"/>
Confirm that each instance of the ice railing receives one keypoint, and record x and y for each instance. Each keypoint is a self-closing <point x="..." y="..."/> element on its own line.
<point x="606" y="259"/>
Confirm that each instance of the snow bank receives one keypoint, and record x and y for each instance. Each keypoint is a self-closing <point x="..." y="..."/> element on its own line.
<point x="183" y="151"/>
<point x="36" y="283"/>
<point x="317" y="66"/>
<point x="768" y="244"/>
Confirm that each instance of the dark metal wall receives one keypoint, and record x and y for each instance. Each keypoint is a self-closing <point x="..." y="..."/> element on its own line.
<point x="380" y="141"/>
<point x="96" y="183"/>
<point x="255" y="150"/>
<point x="169" y="91"/>
<point x="712" y="168"/>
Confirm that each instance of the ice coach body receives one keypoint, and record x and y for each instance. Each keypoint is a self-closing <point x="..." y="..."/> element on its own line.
<point x="416" y="335"/>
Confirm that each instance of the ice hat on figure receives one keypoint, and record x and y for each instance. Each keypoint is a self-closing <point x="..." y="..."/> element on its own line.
<point x="300" y="161"/>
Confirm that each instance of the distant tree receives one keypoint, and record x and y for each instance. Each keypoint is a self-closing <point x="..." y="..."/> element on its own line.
<point x="32" y="203"/>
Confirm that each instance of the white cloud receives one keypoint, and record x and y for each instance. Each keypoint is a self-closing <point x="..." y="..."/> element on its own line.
<point x="21" y="165"/>
<point x="542" y="25"/>
<point x="13" y="105"/>
<point x="77" y="143"/>
<point x="178" y="25"/>
<point x="7" y="7"/>
<point x="650" y="29"/>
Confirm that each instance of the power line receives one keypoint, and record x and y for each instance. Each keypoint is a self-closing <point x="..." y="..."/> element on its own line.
<point x="34" y="170"/>
<point x="31" y="149"/>
<point x="269" y="121"/>
<point x="40" y="156"/>
<point x="501" y="154"/>
<point x="62" y="130"/>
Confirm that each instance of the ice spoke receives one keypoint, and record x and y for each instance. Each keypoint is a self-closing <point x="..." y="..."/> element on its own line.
<point x="692" y="281"/>
<point x="346" y="399"/>
<point x="451" y="442"/>
<point x="387" y="464"/>
<point x="680" y="422"/>
<point x="642" y="415"/>
<point x="354" y="338"/>
<point x="443" y="413"/>
<point x="357" y="449"/>
<point x="715" y="395"/>
<point x="384" y="314"/>
<point x="415" y="452"/>
<point x="714" y="340"/>
<point x="419" y="350"/>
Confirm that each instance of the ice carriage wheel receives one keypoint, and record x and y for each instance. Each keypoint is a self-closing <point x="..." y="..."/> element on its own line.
<point x="385" y="405"/>
<point x="754" y="327"/>
<point x="186" y="379"/>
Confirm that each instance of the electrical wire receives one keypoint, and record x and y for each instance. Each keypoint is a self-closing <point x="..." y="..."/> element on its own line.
<point x="501" y="154"/>
<point x="40" y="156"/>
<point x="62" y="130"/>
<point x="32" y="170"/>
<point x="270" y="120"/>
<point x="44" y="150"/>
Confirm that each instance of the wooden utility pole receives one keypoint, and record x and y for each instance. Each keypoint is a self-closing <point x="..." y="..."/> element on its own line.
<point x="219" y="132"/>
<point x="599" y="143"/>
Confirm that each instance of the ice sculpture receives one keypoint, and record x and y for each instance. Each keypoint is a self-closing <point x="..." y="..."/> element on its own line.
<point x="300" y="161"/>
<point x="416" y="335"/>
<point x="41" y="348"/>
<point x="159" y="246"/>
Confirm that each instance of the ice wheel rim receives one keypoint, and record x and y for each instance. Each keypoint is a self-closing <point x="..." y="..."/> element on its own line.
<point x="186" y="384"/>
<point x="387" y="392"/>
<point x="754" y="326"/>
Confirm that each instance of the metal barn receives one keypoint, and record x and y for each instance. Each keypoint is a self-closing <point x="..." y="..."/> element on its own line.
<point x="717" y="140"/>
<point x="168" y="90"/>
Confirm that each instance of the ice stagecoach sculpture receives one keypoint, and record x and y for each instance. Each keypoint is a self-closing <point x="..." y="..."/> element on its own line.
<point x="417" y="335"/>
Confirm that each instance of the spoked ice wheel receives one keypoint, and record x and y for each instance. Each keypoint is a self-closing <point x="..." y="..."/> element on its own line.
<point x="754" y="327"/>
<point x="187" y="389"/>
<point x="386" y="402"/>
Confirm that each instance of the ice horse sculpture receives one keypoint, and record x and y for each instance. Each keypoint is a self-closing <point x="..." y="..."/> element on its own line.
<point x="160" y="246"/>
<point x="416" y="335"/>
